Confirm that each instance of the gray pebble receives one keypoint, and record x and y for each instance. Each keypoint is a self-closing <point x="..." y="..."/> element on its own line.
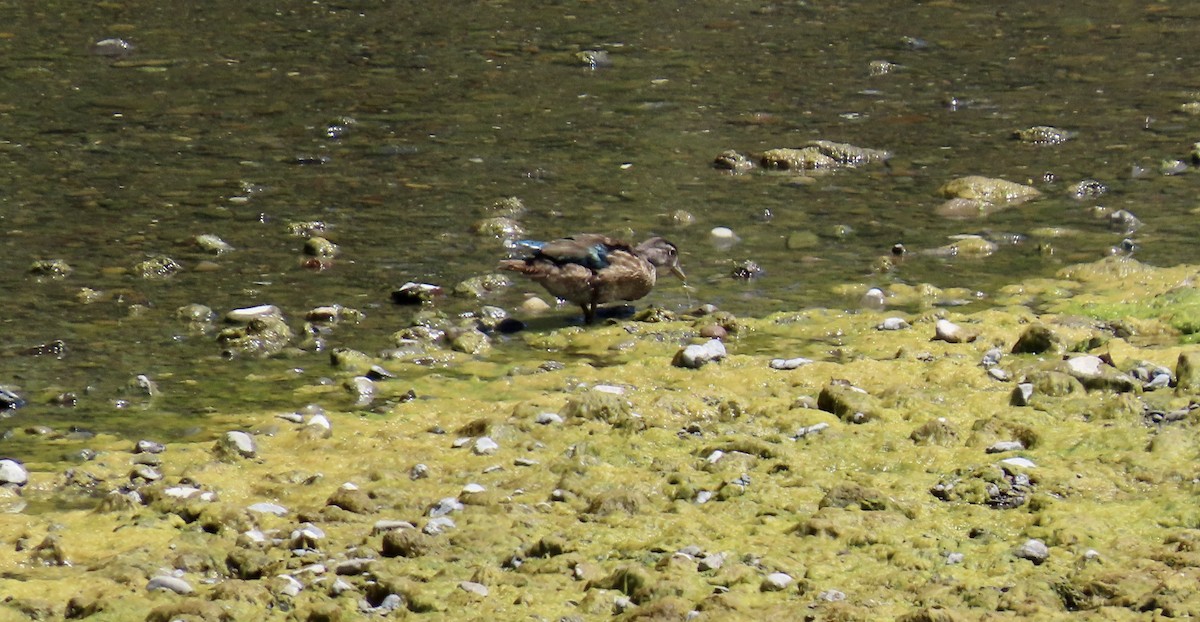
<point x="149" y="447"/>
<point x="776" y="581"/>
<point x="711" y="562"/>
<point x="1017" y="461"/>
<point x="438" y="525"/>
<point x="167" y="582"/>
<point x="999" y="374"/>
<point x="418" y="471"/>
<point x="240" y="443"/>
<point x="362" y="389"/>
<point x="992" y="357"/>
<point x="810" y="430"/>
<point x="1021" y="394"/>
<point x="548" y="418"/>
<point x="444" y="507"/>
<point x="472" y="587"/>
<point x="12" y="472"/>
<point x="696" y="356"/>
<point x="786" y="364"/>
<point x="291" y="586"/>
<point x="955" y="558"/>
<point x="892" y="323"/>
<point x="484" y="446"/>
<point x="832" y="596"/>
<point x="386" y="525"/>
<point x="1034" y="550"/>
<point x="1000" y="447"/>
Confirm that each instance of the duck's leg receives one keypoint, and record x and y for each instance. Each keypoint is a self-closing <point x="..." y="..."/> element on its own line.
<point x="589" y="312"/>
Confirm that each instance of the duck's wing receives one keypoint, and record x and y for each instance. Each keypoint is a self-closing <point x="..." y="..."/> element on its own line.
<point x="590" y="250"/>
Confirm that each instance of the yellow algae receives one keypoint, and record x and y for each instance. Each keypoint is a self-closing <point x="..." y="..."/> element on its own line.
<point x="618" y="481"/>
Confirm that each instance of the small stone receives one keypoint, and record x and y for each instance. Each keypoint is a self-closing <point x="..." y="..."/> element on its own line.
<point x="471" y="587"/>
<point x="246" y="314"/>
<point x="696" y="356"/>
<point x="291" y="586"/>
<point x="1034" y="550"/>
<point x="791" y="363"/>
<point x="892" y="323"/>
<point x="149" y="447"/>
<point x="268" y="508"/>
<point x="832" y="596"/>
<point x="484" y="446"/>
<point x="548" y="418"/>
<point x="711" y="562"/>
<point x="1003" y="446"/>
<point x="776" y="581"/>
<point x="874" y="298"/>
<point x="167" y="582"/>
<point x="473" y="489"/>
<point x="1021" y="394"/>
<point x="955" y="558"/>
<point x="444" y="507"/>
<point x="1017" y="461"/>
<point x="418" y="471"/>
<point x="13" y="472"/>
<point x="438" y="525"/>
<point x="237" y="444"/>
<point x="350" y="498"/>
<point x="948" y="331"/>
<point x="999" y="374"/>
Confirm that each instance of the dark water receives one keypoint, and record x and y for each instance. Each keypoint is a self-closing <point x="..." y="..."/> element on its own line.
<point x="399" y="123"/>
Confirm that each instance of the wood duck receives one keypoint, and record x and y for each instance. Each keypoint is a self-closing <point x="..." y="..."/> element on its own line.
<point x="590" y="269"/>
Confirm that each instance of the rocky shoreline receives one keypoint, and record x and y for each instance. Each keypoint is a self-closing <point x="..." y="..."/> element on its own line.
<point x="1032" y="460"/>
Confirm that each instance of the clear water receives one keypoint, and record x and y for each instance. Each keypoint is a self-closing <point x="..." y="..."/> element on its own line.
<point x="222" y="122"/>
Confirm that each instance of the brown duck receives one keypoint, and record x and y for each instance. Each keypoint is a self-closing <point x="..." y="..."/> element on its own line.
<point x="590" y="269"/>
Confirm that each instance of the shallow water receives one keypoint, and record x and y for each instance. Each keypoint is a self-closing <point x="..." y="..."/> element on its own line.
<point x="226" y="121"/>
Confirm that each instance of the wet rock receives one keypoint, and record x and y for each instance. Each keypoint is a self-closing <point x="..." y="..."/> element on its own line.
<point x="989" y="190"/>
<point x="13" y="472"/>
<point x="352" y="499"/>
<point x="850" y="155"/>
<point x="212" y="244"/>
<point x="733" y="162"/>
<point x="261" y="337"/>
<point x="245" y="315"/>
<point x="320" y="247"/>
<point x="480" y="286"/>
<point x="416" y="293"/>
<point x="1033" y="550"/>
<point x="158" y="267"/>
<point x="1088" y="189"/>
<point x="195" y="314"/>
<point x="851" y="404"/>
<point x="469" y="341"/>
<point x="1038" y="339"/>
<point x="746" y="270"/>
<point x="53" y="269"/>
<point x="9" y="400"/>
<point x="169" y="583"/>
<point x="236" y="444"/>
<point x="112" y="48"/>
<point x="500" y="227"/>
<point x="143" y="385"/>
<point x="1043" y="135"/>
<point x="594" y="59"/>
<point x="361" y="390"/>
<point x="696" y="356"/>
<point x="787" y="159"/>
<point x="945" y="330"/>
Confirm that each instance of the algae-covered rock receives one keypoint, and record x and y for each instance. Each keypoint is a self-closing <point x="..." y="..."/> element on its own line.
<point x="600" y="403"/>
<point x="846" y="495"/>
<point x="991" y="190"/>
<point x="1187" y="373"/>
<point x="352" y="499"/>
<point x="158" y="267"/>
<point x="1038" y="339"/>
<point x="788" y="159"/>
<point x="261" y="337"/>
<point x="851" y="404"/>
<point x="937" y="431"/>
<point x="1054" y="383"/>
<point x="1043" y="135"/>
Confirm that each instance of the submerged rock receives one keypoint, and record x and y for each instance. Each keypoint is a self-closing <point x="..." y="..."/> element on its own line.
<point x="990" y="190"/>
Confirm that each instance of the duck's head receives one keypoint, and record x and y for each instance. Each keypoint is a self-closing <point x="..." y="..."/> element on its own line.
<point x="662" y="254"/>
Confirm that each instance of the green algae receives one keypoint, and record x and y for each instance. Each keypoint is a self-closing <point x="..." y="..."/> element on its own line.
<point x="654" y="469"/>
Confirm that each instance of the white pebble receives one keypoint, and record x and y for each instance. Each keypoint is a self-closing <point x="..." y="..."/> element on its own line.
<point x="777" y="581"/>
<point x="12" y="472"/>
<point x="485" y="446"/>
<point x="166" y="582"/>
<point x="723" y="233"/>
